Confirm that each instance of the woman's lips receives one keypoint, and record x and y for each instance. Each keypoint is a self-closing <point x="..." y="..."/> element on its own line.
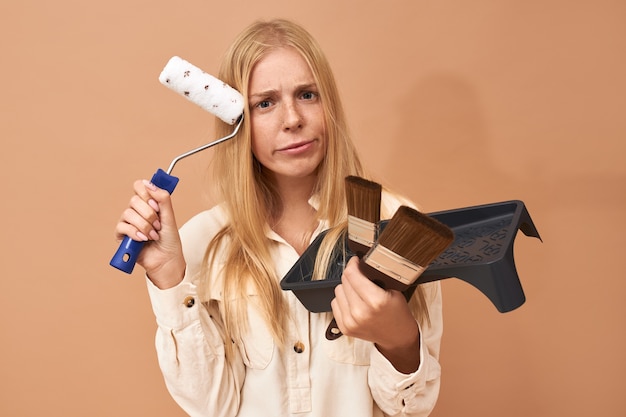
<point x="296" y="148"/>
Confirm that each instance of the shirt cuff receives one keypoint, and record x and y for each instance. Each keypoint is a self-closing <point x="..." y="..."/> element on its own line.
<point x="176" y="307"/>
<point x="393" y="377"/>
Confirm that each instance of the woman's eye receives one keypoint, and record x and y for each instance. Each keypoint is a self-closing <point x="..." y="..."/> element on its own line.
<point x="263" y="104"/>
<point x="309" y="95"/>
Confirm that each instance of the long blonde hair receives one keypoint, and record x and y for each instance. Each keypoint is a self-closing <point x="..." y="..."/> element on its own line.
<point x="249" y="196"/>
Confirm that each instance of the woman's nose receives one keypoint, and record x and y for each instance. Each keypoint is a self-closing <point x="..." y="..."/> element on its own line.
<point x="292" y="118"/>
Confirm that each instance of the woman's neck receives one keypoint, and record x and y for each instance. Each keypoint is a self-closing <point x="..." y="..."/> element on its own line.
<point x="297" y="219"/>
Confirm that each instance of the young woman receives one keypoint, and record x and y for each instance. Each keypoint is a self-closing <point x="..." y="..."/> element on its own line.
<point x="230" y="342"/>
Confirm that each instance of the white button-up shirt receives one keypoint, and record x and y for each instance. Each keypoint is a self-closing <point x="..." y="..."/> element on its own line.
<point x="311" y="377"/>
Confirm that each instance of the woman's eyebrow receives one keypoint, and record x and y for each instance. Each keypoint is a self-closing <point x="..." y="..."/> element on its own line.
<point x="307" y="86"/>
<point x="271" y="92"/>
<point x="263" y="93"/>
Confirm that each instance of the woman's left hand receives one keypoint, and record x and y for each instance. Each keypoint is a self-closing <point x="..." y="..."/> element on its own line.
<point x="364" y="310"/>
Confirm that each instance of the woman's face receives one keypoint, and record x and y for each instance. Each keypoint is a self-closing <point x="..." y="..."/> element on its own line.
<point x="286" y="115"/>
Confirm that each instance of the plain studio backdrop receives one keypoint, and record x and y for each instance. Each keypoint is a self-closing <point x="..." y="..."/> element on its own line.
<point x="453" y="103"/>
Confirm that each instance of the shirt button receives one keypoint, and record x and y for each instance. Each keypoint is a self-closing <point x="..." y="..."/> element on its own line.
<point x="189" y="301"/>
<point x="298" y="347"/>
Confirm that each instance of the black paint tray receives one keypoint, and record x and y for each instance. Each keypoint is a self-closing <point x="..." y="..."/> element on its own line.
<point x="481" y="255"/>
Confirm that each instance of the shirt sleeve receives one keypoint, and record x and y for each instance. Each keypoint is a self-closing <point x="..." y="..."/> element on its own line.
<point x="191" y="354"/>
<point x="189" y="341"/>
<point x="411" y="395"/>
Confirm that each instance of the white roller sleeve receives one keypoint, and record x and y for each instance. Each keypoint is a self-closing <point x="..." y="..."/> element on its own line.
<point x="208" y="92"/>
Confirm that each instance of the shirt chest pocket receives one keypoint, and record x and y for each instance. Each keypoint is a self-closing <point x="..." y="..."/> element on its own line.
<point x="257" y="346"/>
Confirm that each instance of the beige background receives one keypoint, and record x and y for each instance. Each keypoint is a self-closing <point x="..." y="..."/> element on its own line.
<point x="454" y="103"/>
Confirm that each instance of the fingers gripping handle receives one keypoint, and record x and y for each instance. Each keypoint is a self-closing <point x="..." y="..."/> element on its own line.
<point x="129" y="249"/>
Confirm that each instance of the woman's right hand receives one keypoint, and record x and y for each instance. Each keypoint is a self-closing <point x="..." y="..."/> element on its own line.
<point x="150" y="218"/>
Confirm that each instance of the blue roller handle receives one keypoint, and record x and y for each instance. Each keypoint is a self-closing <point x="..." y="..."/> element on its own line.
<point x="126" y="255"/>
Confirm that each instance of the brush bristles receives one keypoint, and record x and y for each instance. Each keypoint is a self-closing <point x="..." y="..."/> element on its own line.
<point x="363" y="198"/>
<point x="415" y="236"/>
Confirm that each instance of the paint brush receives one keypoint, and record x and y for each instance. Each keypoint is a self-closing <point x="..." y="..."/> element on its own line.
<point x="363" y="201"/>
<point x="408" y="244"/>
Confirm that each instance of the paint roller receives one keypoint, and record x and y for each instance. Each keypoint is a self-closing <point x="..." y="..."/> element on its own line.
<point x="211" y="94"/>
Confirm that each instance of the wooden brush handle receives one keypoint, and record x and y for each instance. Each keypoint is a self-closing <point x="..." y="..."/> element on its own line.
<point x="332" y="331"/>
<point x="358" y="249"/>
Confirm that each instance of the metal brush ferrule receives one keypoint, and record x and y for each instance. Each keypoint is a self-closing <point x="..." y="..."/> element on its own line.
<point x="362" y="231"/>
<point x="393" y="265"/>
